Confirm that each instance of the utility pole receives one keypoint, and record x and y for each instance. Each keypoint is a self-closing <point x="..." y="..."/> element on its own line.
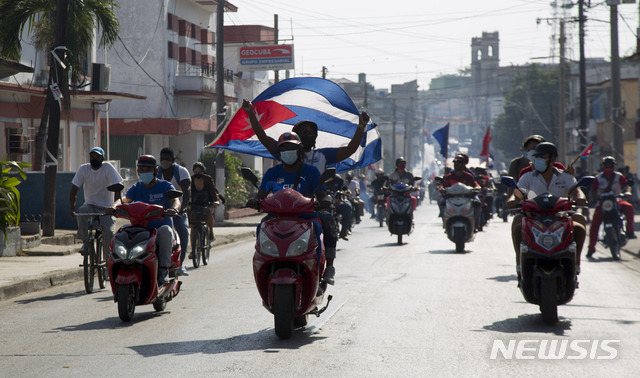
<point x="51" y="159"/>
<point x="219" y="213"/>
<point x="393" y="131"/>
<point x="562" y="149"/>
<point x="583" y="84"/>
<point x="616" y="100"/>
<point x="276" y="73"/>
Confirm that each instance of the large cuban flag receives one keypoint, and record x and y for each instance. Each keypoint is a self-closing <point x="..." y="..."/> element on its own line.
<point x="282" y="105"/>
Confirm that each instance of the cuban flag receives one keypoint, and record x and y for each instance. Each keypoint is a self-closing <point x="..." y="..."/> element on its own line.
<point x="585" y="154"/>
<point x="282" y="105"/>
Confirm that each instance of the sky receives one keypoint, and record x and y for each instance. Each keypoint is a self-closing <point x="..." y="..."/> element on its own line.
<point x="394" y="42"/>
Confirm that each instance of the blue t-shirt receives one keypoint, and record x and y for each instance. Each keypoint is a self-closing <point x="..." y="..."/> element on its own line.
<point x="276" y="178"/>
<point x="153" y="195"/>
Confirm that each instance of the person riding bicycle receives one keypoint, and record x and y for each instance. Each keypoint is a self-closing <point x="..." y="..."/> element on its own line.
<point x="319" y="158"/>
<point x="95" y="177"/>
<point x="150" y="189"/>
<point x="292" y="173"/>
<point x="609" y="181"/>
<point x="204" y="194"/>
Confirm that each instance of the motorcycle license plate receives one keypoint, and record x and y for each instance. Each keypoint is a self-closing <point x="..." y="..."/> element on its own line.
<point x="380" y="196"/>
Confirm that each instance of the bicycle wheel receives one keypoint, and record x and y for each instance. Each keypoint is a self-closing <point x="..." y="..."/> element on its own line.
<point x="88" y="265"/>
<point x="195" y="247"/>
<point x="206" y="247"/>
<point x="101" y="262"/>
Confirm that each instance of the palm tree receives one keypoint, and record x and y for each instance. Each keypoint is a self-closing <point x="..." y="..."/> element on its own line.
<point x="38" y="17"/>
<point x="60" y="18"/>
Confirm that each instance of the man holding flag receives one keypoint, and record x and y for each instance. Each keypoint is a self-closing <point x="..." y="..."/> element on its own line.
<point x="319" y="158"/>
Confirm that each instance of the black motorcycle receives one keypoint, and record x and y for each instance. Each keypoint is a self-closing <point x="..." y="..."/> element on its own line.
<point x="612" y="223"/>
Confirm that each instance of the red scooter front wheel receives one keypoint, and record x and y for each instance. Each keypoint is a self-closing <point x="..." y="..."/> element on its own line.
<point x="126" y="296"/>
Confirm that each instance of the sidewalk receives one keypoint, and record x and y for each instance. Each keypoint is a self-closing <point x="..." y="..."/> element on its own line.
<point x="59" y="263"/>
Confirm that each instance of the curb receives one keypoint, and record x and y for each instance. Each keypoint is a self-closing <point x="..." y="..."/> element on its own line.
<point x="63" y="277"/>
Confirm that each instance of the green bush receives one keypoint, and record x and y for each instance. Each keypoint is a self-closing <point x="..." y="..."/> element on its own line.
<point x="9" y="194"/>
<point x="235" y="190"/>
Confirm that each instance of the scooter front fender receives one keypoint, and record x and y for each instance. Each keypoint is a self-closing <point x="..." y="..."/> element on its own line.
<point x="128" y="276"/>
<point x="284" y="277"/>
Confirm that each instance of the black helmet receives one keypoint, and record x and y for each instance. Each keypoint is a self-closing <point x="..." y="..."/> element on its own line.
<point x="545" y="148"/>
<point x="532" y="138"/>
<point x="400" y="160"/>
<point x="608" y="160"/>
<point x="147" y="161"/>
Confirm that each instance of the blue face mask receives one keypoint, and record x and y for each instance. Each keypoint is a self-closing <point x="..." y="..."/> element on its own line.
<point x="540" y="164"/>
<point x="289" y="157"/>
<point x="146" y="177"/>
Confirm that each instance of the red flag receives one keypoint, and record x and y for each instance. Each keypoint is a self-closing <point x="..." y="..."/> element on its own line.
<point x="587" y="151"/>
<point x="485" y="143"/>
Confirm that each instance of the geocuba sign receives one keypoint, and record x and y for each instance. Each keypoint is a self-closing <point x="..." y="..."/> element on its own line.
<point x="266" y="58"/>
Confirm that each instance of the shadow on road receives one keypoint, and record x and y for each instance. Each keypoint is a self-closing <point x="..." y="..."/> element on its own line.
<point x="448" y="252"/>
<point x="264" y="340"/>
<point x="509" y="278"/>
<point x="529" y="323"/>
<point x="56" y="297"/>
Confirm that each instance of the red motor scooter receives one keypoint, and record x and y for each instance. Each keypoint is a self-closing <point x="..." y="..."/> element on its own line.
<point x="547" y="251"/>
<point x="133" y="264"/>
<point x="286" y="267"/>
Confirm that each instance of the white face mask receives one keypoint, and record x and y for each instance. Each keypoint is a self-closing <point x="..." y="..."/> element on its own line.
<point x="529" y="155"/>
<point x="289" y="157"/>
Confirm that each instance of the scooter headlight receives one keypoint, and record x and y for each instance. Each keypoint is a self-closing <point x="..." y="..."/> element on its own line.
<point x="607" y="205"/>
<point x="120" y="250"/>
<point x="300" y="245"/>
<point x="267" y="246"/>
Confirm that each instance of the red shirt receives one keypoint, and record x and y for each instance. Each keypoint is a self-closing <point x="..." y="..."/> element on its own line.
<point x="465" y="178"/>
<point x="530" y="168"/>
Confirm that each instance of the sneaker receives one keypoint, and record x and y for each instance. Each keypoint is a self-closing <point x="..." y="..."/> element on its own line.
<point x="632" y="236"/>
<point x="212" y="237"/>
<point x="344" y="236"/>
<point x="329" y="275"/>
<point x="190" y="255"/>
<point x="591" y="252"/>
<point x="163" y="276"/>
<point x="182" y="271"/>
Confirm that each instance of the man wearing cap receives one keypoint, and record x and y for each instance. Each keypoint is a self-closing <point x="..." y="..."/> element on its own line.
<point x="95" y="177"/>
<point x="546" y="178"/>
<point x="152" y="190"/>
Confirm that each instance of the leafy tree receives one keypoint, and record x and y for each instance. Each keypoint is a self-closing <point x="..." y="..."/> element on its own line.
<point x="530" y="108"/>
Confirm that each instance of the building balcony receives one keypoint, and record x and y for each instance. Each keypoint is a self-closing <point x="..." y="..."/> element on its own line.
<point x="200" y="81"/>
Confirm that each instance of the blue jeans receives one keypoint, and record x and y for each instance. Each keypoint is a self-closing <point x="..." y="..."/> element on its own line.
<point x="181" y="224"/>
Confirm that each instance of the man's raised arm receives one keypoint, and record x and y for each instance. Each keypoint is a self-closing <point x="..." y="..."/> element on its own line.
<point x="268" y="142"/>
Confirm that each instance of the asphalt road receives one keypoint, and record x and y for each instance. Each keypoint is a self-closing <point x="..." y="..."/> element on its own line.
<point x="418" y="309"/>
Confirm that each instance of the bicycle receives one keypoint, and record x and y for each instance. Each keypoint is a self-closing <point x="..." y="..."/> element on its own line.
<point x="93" y="262"/>
<point x="200" y="243"/>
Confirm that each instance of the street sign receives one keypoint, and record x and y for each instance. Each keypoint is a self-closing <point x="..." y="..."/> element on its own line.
<point x="266" y="58"/>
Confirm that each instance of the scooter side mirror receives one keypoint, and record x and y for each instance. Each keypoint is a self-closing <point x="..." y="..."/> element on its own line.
<point x="327" y="175"/>
<point x="171" y="194"/>
<point x="417" y="178"/>
<point x="586" y="181"/>
<point x="249" y="175"/>
<point x="509" y="182"/>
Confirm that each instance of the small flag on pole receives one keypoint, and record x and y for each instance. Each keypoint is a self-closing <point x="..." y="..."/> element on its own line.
<point x="585" y="154"/>
<point x="442" y="136"/>
<point x="485" y="143"/>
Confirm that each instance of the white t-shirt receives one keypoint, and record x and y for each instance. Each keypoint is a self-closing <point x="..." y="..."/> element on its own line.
<point x="184" y="175"/>
<point x="353" y="186"/>
<point x="559" y="186"/>
<point x="95" y="183"/>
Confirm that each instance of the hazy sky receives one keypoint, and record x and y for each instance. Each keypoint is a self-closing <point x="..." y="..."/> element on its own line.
<point x="403" y="40"/>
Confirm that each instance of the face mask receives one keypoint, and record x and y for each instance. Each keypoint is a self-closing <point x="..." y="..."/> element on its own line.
<point x="540" y="164"/>
<point x="198" y="176"/>
<point x="95" y="163"/>
<point x="529" y="155"/>
<point x="402" y="166"/>
<point x="289" y="157"/>
<point x="608" y="172"/>
<point x="146" y="177"/>
<point x="166" y="164"/>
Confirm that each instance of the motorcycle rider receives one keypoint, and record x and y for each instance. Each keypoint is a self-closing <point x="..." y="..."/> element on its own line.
<point x="548" y="178"/>
<point x="400" y="174"/>
<point x="521" y="162"/>
<point x="292" y="173"/>
<point x="377" y="186"/>
<point x="462" y="175"/>
<point x="319" y="158"/>
<point x="179" y="177"/>
<point x="150" y="189"/>
<point x="606" y="181"/>
<point x="354" y="193"/>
